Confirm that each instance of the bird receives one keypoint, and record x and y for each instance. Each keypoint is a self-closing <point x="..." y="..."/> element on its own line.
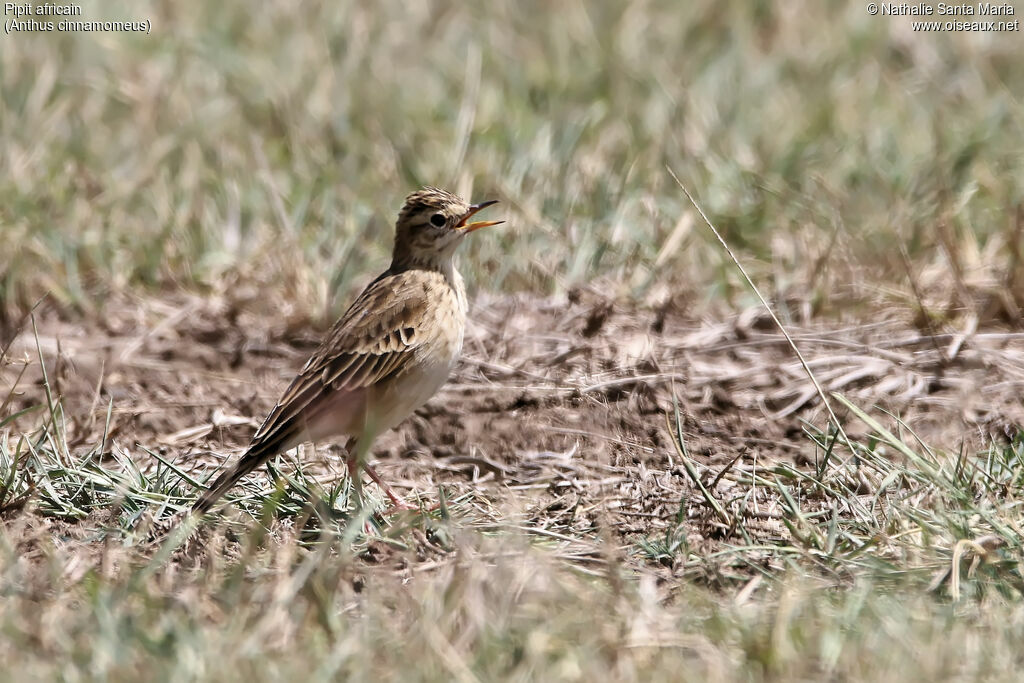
<point x="385" y="357"/>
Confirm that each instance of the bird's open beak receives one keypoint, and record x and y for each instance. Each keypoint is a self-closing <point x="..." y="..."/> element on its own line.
<point x="476" y="225"/>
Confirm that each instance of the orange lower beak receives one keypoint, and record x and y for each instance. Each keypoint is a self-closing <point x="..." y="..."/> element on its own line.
<point x="474" y="209"/>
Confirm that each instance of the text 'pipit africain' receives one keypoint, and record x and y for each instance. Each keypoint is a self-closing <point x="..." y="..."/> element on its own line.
<point x="389" y="353"/>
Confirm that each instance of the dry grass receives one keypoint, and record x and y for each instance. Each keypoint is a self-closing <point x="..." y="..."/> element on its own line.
<point x="671" y="480"/>
<point x="281" y="143"/>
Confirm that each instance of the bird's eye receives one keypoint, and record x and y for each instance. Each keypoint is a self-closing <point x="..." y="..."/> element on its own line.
<point x="438" y="220"/>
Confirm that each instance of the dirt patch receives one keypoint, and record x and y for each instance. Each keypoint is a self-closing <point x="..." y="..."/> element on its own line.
<point x="556" y="414"/>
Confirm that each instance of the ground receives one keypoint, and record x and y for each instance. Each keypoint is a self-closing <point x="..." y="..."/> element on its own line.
<point x="575" y="427"/>
<point x="560" y="414"/>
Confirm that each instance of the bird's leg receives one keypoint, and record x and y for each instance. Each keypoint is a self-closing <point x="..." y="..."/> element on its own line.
<point x="357" y="456"/>
<point x="396" y="501"/>
<point x="353" y="474"/>
<point x="357" y="489"/>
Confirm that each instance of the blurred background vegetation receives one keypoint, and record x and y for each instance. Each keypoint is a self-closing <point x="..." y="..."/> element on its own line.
<point x="275" y="145"/>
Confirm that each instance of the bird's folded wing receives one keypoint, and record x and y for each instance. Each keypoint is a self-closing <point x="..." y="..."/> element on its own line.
<point x="375" y="339"/>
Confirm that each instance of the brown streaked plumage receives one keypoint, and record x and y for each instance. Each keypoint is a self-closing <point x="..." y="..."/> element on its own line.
<point x="389" y="353"/>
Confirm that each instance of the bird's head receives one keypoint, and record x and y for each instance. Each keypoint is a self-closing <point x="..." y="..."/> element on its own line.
<point x="432" y="224"/>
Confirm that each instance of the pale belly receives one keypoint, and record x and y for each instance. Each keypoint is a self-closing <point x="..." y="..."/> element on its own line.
<point x="367" y="413"/>
<point x="400" y="398"/>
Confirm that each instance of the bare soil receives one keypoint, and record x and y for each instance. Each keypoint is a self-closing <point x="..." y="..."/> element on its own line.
<point x="555" y="417"/>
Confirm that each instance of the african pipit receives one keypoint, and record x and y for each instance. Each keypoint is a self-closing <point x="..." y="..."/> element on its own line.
<point x="386" y="356"/>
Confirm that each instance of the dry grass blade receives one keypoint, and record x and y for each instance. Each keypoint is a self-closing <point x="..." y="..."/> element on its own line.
<point x="771" y="312"/>
<point x="680" y="446"/>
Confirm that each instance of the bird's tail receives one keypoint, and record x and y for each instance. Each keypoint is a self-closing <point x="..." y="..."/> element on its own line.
<point x="257" y="454"/>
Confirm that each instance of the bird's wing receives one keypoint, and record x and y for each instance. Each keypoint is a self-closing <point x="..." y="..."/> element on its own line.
<point x="375" y="339"/>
